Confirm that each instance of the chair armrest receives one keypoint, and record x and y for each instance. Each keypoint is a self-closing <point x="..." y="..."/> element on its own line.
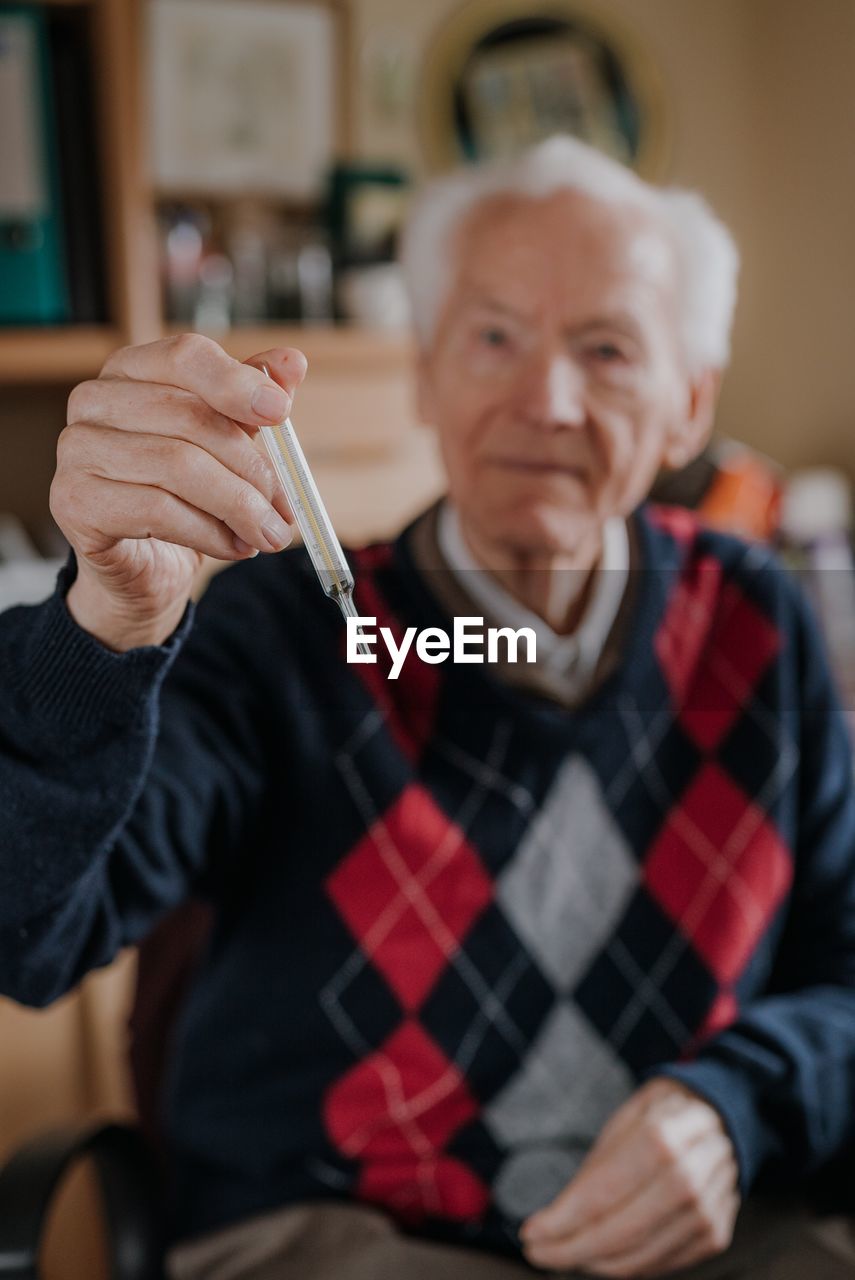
<point x="129" y="1183"/>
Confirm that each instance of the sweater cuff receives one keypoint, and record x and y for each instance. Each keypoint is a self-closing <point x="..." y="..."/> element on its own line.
<point x="725" y="1087"/>
<point x="73" y="680"/>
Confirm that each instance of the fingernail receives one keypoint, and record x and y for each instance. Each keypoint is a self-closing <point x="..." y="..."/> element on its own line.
<point x="271" y="403"/>
<point x="244" y="548"/>
<point x="277" y="532"/>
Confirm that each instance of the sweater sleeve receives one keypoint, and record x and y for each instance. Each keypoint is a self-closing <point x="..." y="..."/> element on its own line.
<point x="122" y="777"/>
<point x="783" y="1074"/>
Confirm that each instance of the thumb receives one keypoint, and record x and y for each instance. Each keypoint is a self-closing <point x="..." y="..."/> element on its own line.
<point x="285" y="365"/>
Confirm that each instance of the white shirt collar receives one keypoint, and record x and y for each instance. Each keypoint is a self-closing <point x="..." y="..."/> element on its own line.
<point x="570" y="657"/>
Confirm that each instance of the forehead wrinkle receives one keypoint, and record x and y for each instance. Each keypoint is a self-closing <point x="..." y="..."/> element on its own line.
<point x="475" y="298"/>
<point x="621" y="320"/>
<point x="621" y="308"/>
<point x="541" y="241"/>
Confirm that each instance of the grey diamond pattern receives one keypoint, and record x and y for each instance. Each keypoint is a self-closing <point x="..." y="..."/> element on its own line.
<point x="570" y="882"/>
<point x="530" y="1179"/>
<point x="566" y="1088"/>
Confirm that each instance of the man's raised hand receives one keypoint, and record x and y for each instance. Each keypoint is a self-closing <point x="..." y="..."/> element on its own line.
<point x="156" y="468"/>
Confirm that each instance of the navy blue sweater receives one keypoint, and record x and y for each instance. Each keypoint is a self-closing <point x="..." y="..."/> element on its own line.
<point x="455" y="923"/>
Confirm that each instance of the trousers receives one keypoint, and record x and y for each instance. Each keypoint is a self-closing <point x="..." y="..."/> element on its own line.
<point x="332" y="1241"/>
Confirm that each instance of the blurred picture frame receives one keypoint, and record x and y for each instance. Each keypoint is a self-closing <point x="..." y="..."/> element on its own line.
<point x="247" y="96"/>
<point x="501" y="75"/>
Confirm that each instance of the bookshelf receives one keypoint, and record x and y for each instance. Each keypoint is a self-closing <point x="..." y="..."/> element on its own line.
<point x="39" y="365"/>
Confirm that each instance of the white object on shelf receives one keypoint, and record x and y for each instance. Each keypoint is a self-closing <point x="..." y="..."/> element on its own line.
<point x="817" y="501"/>
<point x="27" y="581"/>
<point x="375" y="296"/>
<point x="15" y="542"/>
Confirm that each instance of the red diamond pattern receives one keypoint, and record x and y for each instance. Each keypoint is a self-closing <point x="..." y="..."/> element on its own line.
<point x="680" y="523"/>
<point x="408" y="703"/>
<point x="723" y="1011"/>
<point x="684" y="629"/>
<point x="442" y="1187"/>
<point x="713" y="646"/>
<point x="409" y="892"/>
<point x="717" y="834"/>
<point x="404" y="1099"/>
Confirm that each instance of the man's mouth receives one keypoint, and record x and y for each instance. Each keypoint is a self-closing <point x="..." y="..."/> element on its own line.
<point x="542" y="467"/>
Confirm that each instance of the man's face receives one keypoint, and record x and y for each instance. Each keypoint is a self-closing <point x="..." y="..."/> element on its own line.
<point x="555" y="378"/>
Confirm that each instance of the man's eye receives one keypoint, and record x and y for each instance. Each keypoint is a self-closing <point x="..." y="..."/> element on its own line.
<point x="493" y="337"/>
<point x="607" y="352"/>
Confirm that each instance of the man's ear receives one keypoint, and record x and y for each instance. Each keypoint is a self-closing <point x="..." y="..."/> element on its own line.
<point x="690" y="435"/>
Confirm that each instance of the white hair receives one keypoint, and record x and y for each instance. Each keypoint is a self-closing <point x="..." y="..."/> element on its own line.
<point x="706" y="255"/>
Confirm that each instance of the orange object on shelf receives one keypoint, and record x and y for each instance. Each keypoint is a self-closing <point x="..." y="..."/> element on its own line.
<point x="744" y="496"/>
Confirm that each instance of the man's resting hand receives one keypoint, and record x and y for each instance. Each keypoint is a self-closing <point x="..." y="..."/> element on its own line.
<point x="658" y="1191"/>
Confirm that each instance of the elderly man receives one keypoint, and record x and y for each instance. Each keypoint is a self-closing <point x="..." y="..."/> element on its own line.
<point x="514" y="965"/>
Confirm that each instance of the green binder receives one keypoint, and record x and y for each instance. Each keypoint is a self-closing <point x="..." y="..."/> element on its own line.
<point x="33" y="279"/>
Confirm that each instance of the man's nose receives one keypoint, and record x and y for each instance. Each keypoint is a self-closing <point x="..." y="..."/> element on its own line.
<point x="558" y="398"/>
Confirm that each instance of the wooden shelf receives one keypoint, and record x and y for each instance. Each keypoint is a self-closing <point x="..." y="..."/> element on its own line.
<point x="65" y="354"/>
<point x="61" y="4"/>
<point x="345" y="348"/>
<point x="71" y="353"/>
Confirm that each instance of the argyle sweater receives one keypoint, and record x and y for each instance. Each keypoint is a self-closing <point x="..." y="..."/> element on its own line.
<point x="456" y="924"/>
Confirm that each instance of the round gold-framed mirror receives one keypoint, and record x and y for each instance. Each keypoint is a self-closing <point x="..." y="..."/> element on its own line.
<point x="502" y="74"/>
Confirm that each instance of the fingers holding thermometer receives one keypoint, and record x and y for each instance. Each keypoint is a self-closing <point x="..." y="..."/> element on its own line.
<point x="171" y="423"/>
<point x="158" y="466"/>
<point x="197" y="364"/>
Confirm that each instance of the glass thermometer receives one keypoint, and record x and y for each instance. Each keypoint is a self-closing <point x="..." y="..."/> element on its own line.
<point x="311" y="516"/>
